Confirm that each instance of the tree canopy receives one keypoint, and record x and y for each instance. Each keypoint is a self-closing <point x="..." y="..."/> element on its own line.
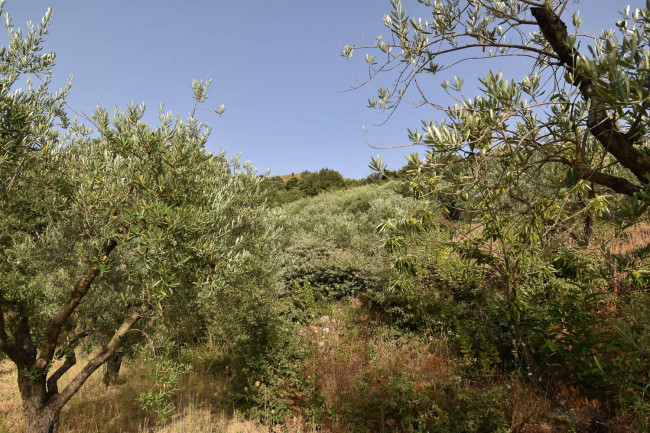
<point x="105" y="225"/>
<point x="580" y="113"/>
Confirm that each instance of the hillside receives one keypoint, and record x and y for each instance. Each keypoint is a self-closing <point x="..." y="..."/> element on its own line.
<point x="286" y="177"/>
<point x="497" y="282"/>
<point x="367" y="344"/>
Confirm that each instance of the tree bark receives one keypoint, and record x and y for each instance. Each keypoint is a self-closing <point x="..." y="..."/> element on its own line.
<point x="40" y="414"/>
<point x="112" y="371"/>
<point x="589" y="221"/>
<point x="41" y="419"/>
<point x="66" y="394"/>
<point x="600" y="124"/>
<point x="42" y="402"/>
<point x="56" y="323"/>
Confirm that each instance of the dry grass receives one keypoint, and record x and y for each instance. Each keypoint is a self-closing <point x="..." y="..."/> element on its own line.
<point x="338" y="362"/>
<point x="286" y="177"/>
<point x="526" y="408"/>
<point x="345" y="352"/>
<point x="115" y="410"/>
<point x="637" y="236"/>
<point x="10" y="407"/>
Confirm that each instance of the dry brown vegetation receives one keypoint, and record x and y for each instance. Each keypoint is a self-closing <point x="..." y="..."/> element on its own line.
<point x="637" y="236"/>
<point x="97" y="408"/>
<point x="352" y="361"/>
<point x="286" y="177"/>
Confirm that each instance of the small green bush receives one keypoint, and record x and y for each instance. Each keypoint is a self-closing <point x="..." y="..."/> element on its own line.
<point x="331" y="274"/>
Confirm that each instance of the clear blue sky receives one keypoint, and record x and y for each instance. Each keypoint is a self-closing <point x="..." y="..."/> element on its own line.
<point x="274" y="64"/>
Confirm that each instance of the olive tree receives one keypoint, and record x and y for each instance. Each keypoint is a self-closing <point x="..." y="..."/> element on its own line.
<point x="582" y="107"/>
<point x="528" y="154"/>
<point x="117" y="224"/>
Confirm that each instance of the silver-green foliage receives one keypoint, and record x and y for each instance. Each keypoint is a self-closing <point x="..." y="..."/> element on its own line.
<point x="334" y="241"/>
<point x="527" y="158"/>
<point x="580" y="107"/>
<point x="348" y="218"/>
<point x="108" y="227"/>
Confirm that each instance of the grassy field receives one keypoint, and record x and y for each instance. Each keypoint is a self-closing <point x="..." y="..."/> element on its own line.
<point x="97" y="408"/>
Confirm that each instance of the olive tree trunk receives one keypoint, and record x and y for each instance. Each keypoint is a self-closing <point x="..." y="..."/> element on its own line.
<point x="112" y="370"/>
<point x="41" y="413"/>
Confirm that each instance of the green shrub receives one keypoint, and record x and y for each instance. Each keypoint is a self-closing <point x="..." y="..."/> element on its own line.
<point x="331" y="274"/>
<point x="333" y="246"/>
<point x="257" y="345"/>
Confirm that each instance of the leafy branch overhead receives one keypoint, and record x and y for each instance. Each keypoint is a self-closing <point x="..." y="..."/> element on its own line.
<point x="524" y="164"/>
<point x="582" y="107"/>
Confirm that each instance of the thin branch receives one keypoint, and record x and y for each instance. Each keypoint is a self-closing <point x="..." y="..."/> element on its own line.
<point x="53" y="380"/>
<point x="498" y="45"/>
<point x="600" y="124"/>
<point x="615" y="183"/>
<point x="54" y="326"/>
<point x="62" y="398"/>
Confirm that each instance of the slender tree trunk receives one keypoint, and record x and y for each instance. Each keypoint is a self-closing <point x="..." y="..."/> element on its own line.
<point x="589" y="221"/>
<point x="588" y="230"/>
<point x="542" y="378"/>
<point x="112" y="370"/>
<point x="528" y="355"/>
<point x="548" y="382"/>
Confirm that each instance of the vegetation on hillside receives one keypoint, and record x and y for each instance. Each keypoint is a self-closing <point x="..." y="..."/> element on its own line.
<point x="499" y="283"/>
<point x="279" y="190"/>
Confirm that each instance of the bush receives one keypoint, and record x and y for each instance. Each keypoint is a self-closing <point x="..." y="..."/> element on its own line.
<point x="332" y="244"/>
<point x="348" y="219"/>
<point x="331" y="274"/>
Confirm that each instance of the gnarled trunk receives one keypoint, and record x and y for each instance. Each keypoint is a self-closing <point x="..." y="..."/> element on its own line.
<point x="41" y="413"/>
<point x="44" y="419"/>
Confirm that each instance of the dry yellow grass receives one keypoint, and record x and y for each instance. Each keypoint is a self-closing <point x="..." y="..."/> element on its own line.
<point x="637" y="236"/>
<point x="286" y="177"/>
<point x="10" y="407"/>
<point x="97" y="409"/>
